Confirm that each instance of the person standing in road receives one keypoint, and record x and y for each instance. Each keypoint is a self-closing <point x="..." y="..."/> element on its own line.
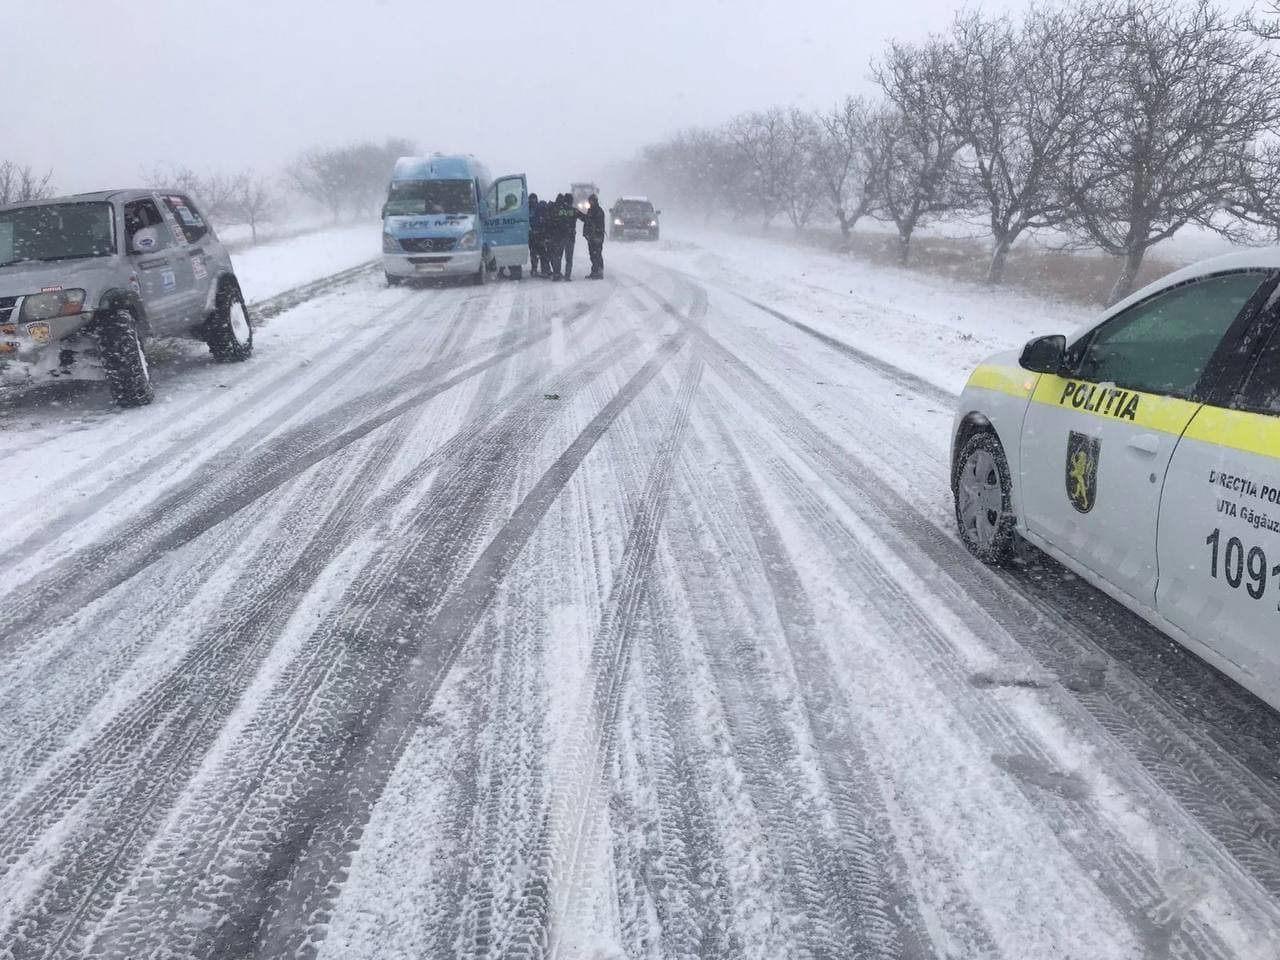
<point x="554" y="232"/>
<point x="570" y="215"/>
<point x="544" y="237"/>
<point x="593" y="233"/>
<point x="535" y="246"/>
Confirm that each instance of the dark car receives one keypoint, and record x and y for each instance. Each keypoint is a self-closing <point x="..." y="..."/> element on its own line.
<point x="634" y="218"/>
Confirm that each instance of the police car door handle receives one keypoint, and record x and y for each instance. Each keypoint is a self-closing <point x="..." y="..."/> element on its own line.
<point x="1147" y="443"/>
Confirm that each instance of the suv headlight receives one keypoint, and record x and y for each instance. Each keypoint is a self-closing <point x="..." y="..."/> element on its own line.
<point x="617" y="221"/>
<point x="390" y="244"/>
<point x="467" y="241"/>
<point x="653" y="223"/>
<point x="55" y="303"/>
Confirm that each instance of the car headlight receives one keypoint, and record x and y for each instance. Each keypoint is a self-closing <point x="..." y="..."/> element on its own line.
<point x="390" y="244"/>
<point x="653" y="223"/>
<point x="617" y="221"/>
<point x="468" y="241"/>
<point x="55" y="303"/>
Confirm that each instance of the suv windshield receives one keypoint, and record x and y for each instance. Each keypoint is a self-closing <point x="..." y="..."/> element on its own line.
<point x="56" y="231"/>
<point x="407" y="197"/>
<point x="635" y="208"/>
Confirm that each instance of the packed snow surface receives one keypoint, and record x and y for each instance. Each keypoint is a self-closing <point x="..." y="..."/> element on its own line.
<point x="589" y="620"/>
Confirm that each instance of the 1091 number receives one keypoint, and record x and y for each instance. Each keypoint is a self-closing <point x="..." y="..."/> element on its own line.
<point x="1238" y="566"/>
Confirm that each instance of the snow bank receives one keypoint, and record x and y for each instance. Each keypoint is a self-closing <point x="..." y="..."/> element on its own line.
<point x="272" y="268"/>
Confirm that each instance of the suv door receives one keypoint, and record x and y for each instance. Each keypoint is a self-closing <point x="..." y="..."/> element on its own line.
<point x="506" y="220"/>
<point x="155" y="269"/>
<point x="1220" y="521"/>
<point x="190" y="233"/>
<point x="1096" y="441"/>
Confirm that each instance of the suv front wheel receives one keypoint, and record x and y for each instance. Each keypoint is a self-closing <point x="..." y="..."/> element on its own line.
<point x="228" y="331"/>
<point x="123" y="360"/>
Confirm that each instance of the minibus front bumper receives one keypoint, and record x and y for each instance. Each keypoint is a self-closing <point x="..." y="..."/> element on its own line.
<point x="454" y="263"/>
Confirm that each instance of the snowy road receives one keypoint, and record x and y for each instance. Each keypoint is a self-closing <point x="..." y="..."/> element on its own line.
<point x="592" y="620"/>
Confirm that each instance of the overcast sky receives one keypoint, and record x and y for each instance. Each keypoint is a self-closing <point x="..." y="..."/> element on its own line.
<point x="101" y="90"/>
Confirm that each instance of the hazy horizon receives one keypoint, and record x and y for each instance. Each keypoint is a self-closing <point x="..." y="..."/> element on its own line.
<point x="557" y="90"/>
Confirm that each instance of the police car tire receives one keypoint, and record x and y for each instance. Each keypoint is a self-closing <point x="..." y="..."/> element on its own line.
<point x="1000" y="549"/>
<point x="225" y="343"/>
<point x="515" y="273"/>
<point x="123" y="360"/>
<point x="481" y="277"/>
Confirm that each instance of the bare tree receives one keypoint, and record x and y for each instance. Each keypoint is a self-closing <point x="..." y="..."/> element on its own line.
<point x="213" y="192"/>
<point x="1187" y="93"/>
<point x="255" y="201"/>
<point x="350" y="178"/>
<point x="699" y="168"/>
<point x="21" y="184"/>
<point x="1021" y="105"/>
<point x="801" y="185"/>
<point x="916" y="141"/>
<point x="764" y="139"/>
<point x="845" y="162"/>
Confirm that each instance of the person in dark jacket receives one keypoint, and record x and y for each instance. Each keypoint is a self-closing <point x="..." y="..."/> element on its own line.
<point x="544" y="237"/>
<point x="535" y="248"/>
<point x="569" y="215"/>
<point x="593" y="233"/>
<point x="555" y="239"/>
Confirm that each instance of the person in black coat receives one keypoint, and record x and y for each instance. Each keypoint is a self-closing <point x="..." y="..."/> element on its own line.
<point x="545" y="242"/>
<point x="569" y="217"/>
<point x="535" y="241"/>
<point x="593" y="233"/>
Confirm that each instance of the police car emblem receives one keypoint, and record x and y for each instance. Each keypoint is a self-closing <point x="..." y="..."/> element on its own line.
<point x="1082" y="470"/>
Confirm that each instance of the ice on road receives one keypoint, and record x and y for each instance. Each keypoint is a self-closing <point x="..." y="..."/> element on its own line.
<point x="594" y="620"/>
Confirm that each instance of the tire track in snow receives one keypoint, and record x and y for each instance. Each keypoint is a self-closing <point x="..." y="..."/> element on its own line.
<point x="273" y="727"/>
<point x="286" y="902"/>
<point x="861" y="873"/>
<point x="266" y="404"/>
<point x="148" y="771"/>
<point x="261" y="621"/>
<point x="108" y="613"/>
<point x="95" y="570"/>
<point x="569" y="826"/>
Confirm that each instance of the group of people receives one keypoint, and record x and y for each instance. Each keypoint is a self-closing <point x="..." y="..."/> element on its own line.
<point x="553" y="228"/>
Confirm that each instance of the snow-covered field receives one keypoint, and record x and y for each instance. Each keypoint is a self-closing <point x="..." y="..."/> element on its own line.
<point x="590" y="620"/>
<point x="273" y="267"/>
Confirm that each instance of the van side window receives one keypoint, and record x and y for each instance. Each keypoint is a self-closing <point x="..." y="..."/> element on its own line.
<point x="509" y="195"/>
<point x="1163" y="344"/>
<point x="184" y="211"/>
<point x="141" y="214"/>
<point x="1261" y="391"/>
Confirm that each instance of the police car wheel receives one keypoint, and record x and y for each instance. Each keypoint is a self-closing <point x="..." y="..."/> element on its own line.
<point x="481" y="277"/>
<point x="228" y="331"/>
<point x="124" y="361"/>
<point x="984" y="510"/>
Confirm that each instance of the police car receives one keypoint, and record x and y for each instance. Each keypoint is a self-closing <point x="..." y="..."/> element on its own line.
<point x="1144" y="454"/>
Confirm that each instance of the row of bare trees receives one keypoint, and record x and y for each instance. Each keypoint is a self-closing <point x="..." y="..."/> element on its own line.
<point x="244" y="197"/>
<point x="347" y="180"/>
<point x="1112" y="123"/>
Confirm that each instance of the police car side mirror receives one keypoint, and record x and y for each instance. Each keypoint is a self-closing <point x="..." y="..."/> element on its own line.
<point x="1044" y="354"/>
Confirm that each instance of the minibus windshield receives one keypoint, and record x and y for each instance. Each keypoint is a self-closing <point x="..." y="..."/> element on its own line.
<point x="409" y="197"/>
